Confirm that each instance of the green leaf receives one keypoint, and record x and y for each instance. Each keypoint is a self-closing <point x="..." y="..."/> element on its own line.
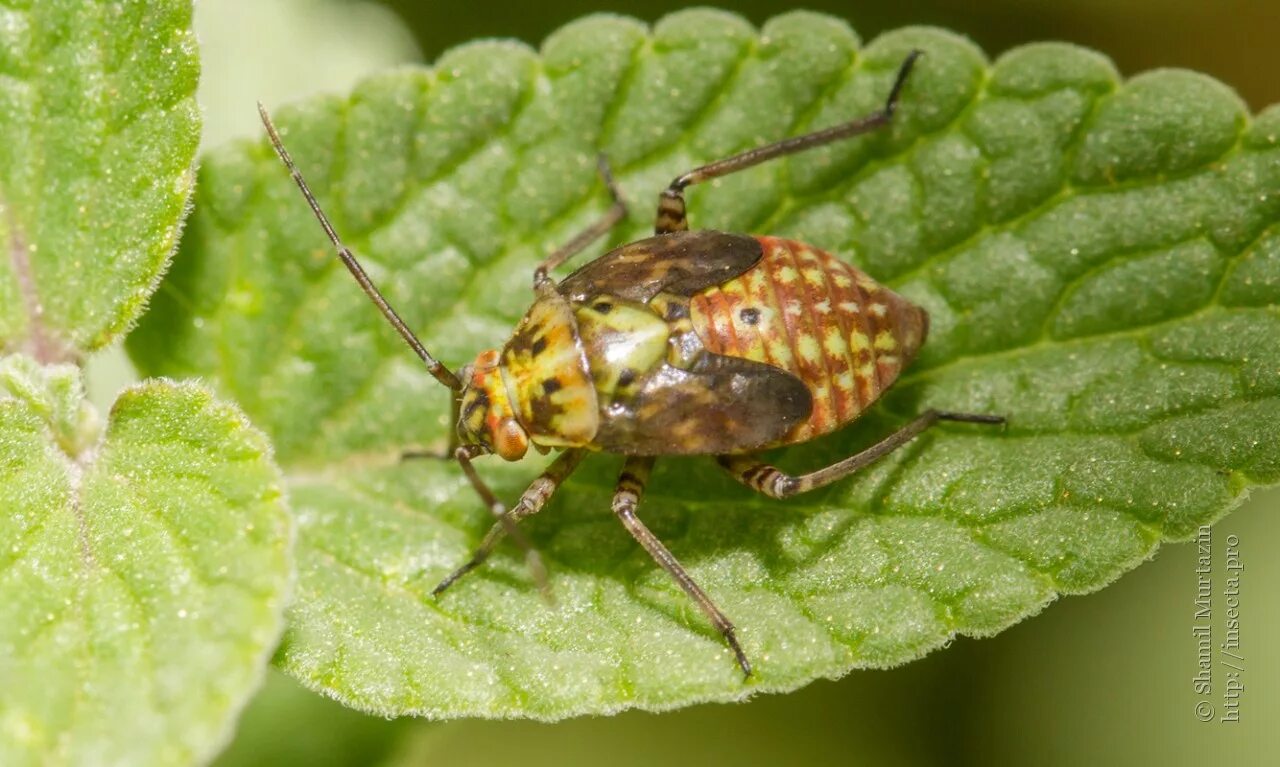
<point x="1101" y="262"/>
<point x="100" y="128"/>
<point x="143" y="574"/>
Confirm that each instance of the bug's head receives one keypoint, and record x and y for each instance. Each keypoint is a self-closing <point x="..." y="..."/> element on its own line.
<point x="486" y="416"/>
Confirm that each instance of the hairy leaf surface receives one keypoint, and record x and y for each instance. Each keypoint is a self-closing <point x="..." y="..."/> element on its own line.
<point x="143" y="572"/>
<point x="100" y="127"/>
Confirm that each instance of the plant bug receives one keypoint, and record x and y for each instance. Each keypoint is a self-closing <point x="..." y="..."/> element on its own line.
<point x="684" y="343"/>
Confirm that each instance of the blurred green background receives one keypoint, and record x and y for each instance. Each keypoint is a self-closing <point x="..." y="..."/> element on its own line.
<point x="1102" y="679"/>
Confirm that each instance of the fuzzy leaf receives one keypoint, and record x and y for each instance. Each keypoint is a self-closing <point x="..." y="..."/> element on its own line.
<point x="1101" y="262"/>
<point x="100" y="127"/>
<point x="143" y="572"/>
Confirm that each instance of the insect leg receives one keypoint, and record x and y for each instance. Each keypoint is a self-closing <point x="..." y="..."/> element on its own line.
<point x="773" y="482"/>
<point x="531" y="502"/>
<point x="436" y="368"/>
<point x="635" y="474"/>
<point x="671" y="205"/>
<point x="616" y="213"/>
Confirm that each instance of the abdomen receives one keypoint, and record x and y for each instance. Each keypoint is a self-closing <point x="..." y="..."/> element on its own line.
<point x="800" y="309"/>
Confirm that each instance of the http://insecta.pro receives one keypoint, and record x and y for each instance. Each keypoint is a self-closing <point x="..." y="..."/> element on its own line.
<point x="685" y="343"/>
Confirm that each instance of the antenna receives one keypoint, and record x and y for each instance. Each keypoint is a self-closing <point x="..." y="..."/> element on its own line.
<point x="436" y="368"/>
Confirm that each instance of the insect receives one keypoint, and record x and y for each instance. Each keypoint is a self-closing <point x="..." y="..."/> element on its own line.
<point x="684" y="343"/>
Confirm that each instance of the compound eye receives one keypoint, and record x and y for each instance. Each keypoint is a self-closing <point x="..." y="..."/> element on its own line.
<point x="509" y="440"/>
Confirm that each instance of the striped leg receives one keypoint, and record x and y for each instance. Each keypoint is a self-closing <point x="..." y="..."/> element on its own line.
<point x="530" y="503"/>
<point x="616" y="213"/>
<point x="671" y="207"/>
<point x="771" y="481"/>
<point x="635" y="474"/>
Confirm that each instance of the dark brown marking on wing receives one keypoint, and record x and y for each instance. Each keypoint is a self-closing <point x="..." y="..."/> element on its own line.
<point x="722" y="405"/>
<point x="681" y="263"/>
